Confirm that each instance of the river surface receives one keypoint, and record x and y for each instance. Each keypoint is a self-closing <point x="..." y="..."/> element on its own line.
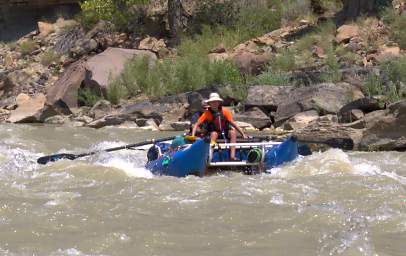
<point x="330" y="203"/>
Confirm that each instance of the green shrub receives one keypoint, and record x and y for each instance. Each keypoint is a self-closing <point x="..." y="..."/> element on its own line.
<point x="48" y="57"/>
<point x="171" y="76"/>
<point x="373" y="85"/>
<point x="201" y="44"/>
<point x="323" y="37"/>
<point x="88" y="96"/>
<point x="269" y="78"/>
<point x="27" y="46"/>
<point x="389" y="82"/>
<point x="119" y="12"/>
<point x="395" y="70"/>
<point x="284" y="61"/>
<point x="237" y="15"/>
<point x="333" y="73"/>
<point x="116" y="91"/>
<point x="292" y="10"/>
<point x="230" y="23"/>
<point x="256" y="20"/>
<point x="393" y="94"/>
<point x="397" y="24"/>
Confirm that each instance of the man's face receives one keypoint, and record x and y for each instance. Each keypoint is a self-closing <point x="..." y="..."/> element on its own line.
<point x="214" y="104"/>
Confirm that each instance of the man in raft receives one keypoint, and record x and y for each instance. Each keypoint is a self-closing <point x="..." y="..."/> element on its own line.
<point x="202" y="128"/>
<point x="220" y="123"/>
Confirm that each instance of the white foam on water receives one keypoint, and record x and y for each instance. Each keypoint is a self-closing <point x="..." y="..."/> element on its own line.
<point x="129" y="167"/>
<point x="367" y="168"/>
<point x="69" y="252"/>
<point x="331" y="161"/>
<point x="129" y="161"/>
<point x="17" y="161"/>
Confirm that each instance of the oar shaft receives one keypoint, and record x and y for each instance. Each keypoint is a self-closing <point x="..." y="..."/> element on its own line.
<point x="139" y="144"/>
<point x="56" y="157"/>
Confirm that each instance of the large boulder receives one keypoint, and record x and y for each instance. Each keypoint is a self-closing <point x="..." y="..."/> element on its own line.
<point x="250" y="63"/>
<point x="45" y="28"/>
<point x="31" y="110"/>
<point x="100" y="109"/>
<point x="256" y="117"/>
<point x="109" y="120"/>
<point x="301" y="120"/>
<point x="106" y="66"/>
<point x="325" y="131"/>
<point x="145" y="110"/>
<point x="64" y="93"/>
<point x="288" y="101"/>
<point x="267" y="97"/>
<point x="366" y="105"/>
<point x="386" y="129"/>
<point x="152" y="44"/>
<point x="346" y="32"/>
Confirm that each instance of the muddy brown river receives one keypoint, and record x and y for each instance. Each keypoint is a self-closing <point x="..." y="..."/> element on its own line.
<point x="330" y="203"/>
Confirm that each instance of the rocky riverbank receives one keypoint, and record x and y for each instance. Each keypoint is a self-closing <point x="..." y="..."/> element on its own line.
<point x="42" y="73"/>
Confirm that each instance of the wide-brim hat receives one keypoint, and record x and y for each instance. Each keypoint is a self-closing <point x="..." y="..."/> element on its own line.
<point x="214" y="97"/>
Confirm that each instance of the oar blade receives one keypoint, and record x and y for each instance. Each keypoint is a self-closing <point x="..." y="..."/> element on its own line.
<point x="54" y="158"/>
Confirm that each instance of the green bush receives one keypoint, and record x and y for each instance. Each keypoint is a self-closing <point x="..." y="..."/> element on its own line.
<point x="373" y="85"/>
<point x="284" y="61"/>
<point x="256" y="20"/>
<point x="88" y="96"/>
<point x="116" y="91"/>
<point x="395" y="70"/>
<point x="48" y="57"/>
<point x="119" y="12"/>
<point x="294" y="9"/>
<point x="397" y="24"/>
<point x="27" y="46"/>
<point x="229" y="23"/>
<point x="269" y="78"/>
<point x="333" y="73"/>
<point x="171" y="76"/>
<point x="237" y="15"/>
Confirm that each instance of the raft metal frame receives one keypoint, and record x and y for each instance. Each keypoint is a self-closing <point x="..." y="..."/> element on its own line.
<point x="245" y="145"/>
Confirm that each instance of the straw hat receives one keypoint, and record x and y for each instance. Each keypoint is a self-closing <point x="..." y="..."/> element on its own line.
<point x="214" y="97"/>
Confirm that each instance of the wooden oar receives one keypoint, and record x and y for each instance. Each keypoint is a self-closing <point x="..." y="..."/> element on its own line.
<point x="56" y="157"/>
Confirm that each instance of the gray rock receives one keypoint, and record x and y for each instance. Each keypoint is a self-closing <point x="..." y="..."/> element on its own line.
<point x="180" y="126"/>
<point x="289" y="100"/>
<point x="365" y="105"/>
<point x="256" y="117"/>
<point x="32" y="110"/>
<point x="109" y="120"/>
<point x="301" y="120"/>
<point x="100" y="109"/>
<point x="106" y="66"/>
<point x="324" y="98"/>
<point x="58" y="119"/>
<point x="331" y="134"/>
<point x="386" y="129"/>
<point x="64" y="93"/>
<point x="144" y="110"/>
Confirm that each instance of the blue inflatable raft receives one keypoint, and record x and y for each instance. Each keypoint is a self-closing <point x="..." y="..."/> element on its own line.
<point x="200" y="158"/>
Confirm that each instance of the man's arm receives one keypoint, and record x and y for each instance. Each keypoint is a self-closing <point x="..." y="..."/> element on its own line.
<point x="195" y="128"/>
<point x="238" y="128"/>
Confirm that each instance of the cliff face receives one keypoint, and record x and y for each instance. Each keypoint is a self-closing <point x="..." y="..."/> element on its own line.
<point x="19" y="17"/>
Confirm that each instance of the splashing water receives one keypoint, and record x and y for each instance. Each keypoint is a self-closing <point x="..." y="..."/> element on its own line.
<point x="330" y="203"/>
